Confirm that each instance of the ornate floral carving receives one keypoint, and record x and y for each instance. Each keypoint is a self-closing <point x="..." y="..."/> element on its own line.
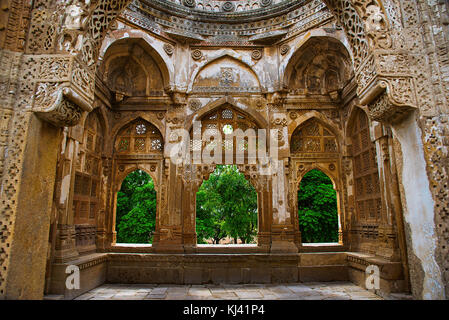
<point x="189" y="3"/>
<point x="256" y="54"/>
<point x="168" y="48"/>
<point x="61" y="113"/>
<point x="228" y="6"/>
<point x="265" y="3"/>
<point x="195" y="105"/>
<point x="196" y="54"/>
<point x="284" y="49"/>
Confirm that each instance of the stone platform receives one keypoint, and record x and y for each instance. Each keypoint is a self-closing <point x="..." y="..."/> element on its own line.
<point x="290" y="291"/>
<point x="225" y="268"/>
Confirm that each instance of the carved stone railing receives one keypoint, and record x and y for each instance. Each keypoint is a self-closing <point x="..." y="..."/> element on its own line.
<point x="85" y="236"/>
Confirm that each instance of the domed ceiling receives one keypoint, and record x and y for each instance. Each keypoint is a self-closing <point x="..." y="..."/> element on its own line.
<point x="237" y="22"/>
<point x="227" y="5"/>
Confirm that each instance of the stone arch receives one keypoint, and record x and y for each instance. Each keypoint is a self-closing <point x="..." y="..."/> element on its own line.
<point x="230" y="59"/>
<point x="120" y="177"/>
<point x="258" y="118"/>
<point x="367" y="195"/>
<point x="151" y="142"/>
<point x="251" y="181"/>
<point x="319" y="57"/>
<point x="129" y="43"/>
<point x="102" y="118"/>
<point x="352" y="114"/>
<point x="322" y="120"/>
<point x="319" y="166"/>
<point x="336" y="182"/>
<point x="142" y="115"/>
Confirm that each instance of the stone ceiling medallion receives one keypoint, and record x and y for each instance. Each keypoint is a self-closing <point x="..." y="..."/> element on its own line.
<point x="265" y="3"/>
<point x="168" y="48"/>
<point x="197" y="54"/>
<point x="228" y="6"/>
<point x="256" y="54"/>
<point x="189" y="3"/>
<point x="284" y="49"/>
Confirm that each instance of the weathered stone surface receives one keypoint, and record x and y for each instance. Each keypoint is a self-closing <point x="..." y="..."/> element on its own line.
<point x="357" y="90"/>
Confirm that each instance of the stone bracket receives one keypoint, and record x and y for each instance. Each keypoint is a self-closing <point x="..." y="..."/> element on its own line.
<point x="63" y="89"/>
<point x="390" y="99"/>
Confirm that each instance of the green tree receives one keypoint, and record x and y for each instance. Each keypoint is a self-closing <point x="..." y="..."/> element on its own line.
<point x="226" y="206"/>
<point x="317" y="208"/>
<point x="209" y="216"/>
<point x="136" y="209"/>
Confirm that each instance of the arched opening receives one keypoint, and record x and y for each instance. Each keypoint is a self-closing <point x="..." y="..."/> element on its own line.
<point x="226" y="208"/>
<point x="317" y="208"/>
<point x="138" y="150"/>
<point x="136" y="209"/>
<point x="225" y="135"/>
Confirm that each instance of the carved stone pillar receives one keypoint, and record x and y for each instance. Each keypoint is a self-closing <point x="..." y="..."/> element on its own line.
<point x="170" y="234"/>
<point x="104" y="239"/>
<point x="65" y="246"/>
<point x="388" y="237"/>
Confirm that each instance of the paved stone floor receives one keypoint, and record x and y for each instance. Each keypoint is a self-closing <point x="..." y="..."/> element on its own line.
<point x="289" y="291"/>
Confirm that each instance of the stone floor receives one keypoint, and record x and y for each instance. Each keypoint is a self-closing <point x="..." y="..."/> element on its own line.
<point x="290" y="291"/>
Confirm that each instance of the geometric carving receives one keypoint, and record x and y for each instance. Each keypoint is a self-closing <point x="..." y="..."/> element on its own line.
<point x="139" y="137"/>
<point x="313" y="137"/>
<point x="62" y="113"/>
<point x="366" y="176"/>
<point x="196" y="54"/>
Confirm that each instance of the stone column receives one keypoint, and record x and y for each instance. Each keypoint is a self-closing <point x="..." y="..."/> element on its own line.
<point x="170" y="220"/>
<point x="65" y="240"/>
<point x="282" y="228"/>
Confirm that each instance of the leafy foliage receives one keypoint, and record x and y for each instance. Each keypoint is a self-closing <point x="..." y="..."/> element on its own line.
<point x="317" y="208"/>
<point x="136" y="209"/>
<point x="226" y="205"/>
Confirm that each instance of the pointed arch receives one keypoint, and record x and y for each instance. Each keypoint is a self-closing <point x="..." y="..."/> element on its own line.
<point x="301" y="119"/>
<point x="120" y="177"/>
<point x="323" y="136"/>
<point x="320" y="63"/>
<point x="138" y="136"/>
<point x="140" y="115"/>
<point x="319" y="203"/>
<point x="246" y="109"/>
<point x="234" y="64"/>
<point x="137" y="46"/>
